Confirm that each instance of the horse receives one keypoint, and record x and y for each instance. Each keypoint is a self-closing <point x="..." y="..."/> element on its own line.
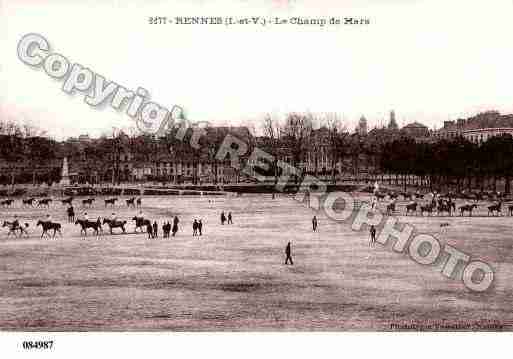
<point x="88" y="202"/>
<point x="412" y="207"/>
<point x="110" y="201"/>
<point x="445" y="207"/>
<point x="28" y="202"/>
<point x="427" y="208"/>
<point x="49" y="225"/>
<point x="391" y="208"/>
<point x="85" y="224"/>
<point x="67" y="200"/>
<point x="467" y="208"/>
<point x="45" y="202"/>
<point x="15" y="226"/>
<point x="130" y="202"/>
<point x="7" y="202"/>
<point x="114" y="224"/>
<point x="495" y="208"/>
<point x="141" y="222"/>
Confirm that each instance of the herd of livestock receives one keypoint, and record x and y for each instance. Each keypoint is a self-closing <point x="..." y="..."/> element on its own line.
<point x="16" y="228"/>
<point x="441" y="204"/>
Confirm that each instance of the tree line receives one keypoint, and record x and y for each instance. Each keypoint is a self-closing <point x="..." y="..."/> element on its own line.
<point x="28" y="155"/>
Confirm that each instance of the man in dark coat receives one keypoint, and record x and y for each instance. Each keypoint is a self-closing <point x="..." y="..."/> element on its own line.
<point x="288" y="254"/>
<point x="175" y="225"/>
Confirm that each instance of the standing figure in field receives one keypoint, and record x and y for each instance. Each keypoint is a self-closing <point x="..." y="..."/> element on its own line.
<point x="149" y="229"/>
<point x="288" y="255"/>
<point x="155" y="229"/>
<point x="230" y="220"/>
<point x="195" y="228"/>
<point x="71" y="214"/>
<point x="200" y="227"/>
<point x="223" y="218"/>
<point x="175" y="225"/>
<point x="372" y="236"/>
<point x="48" y="218"/>
<point x="85" y="216"/>
<point x="314" y="223"/>
<point x="166" y="228"/>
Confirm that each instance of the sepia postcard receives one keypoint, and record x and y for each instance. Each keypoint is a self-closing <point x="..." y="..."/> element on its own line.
<point x="174" y="167"/>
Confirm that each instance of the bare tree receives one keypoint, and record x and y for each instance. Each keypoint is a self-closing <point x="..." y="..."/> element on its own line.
<point x="272" y="131"/>
<point x="296" y="132"/>
<point x="337" y="141"/>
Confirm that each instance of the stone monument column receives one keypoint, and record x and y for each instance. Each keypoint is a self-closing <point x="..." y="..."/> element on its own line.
<point x="65" y="181"/>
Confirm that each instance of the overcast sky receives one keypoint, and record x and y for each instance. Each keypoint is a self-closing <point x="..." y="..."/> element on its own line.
<point x="429" y="60"/>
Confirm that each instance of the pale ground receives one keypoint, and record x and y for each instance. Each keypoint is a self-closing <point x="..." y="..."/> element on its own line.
<point x="233" y="277"/>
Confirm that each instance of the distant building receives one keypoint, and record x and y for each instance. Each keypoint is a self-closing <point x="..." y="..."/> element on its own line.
<point x="361" y="129"/>
<point x="478" y="128"/>
<point x="415" y="130"/>
<point x="392" y="124"/>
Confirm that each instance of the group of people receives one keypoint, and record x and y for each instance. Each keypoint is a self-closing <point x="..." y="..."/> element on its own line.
<point x="167" y="228"/>
<point x="228" y="219"/>
<point x="197" y="227"/>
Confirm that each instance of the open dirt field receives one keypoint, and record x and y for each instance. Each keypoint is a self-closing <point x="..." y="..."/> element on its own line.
<point x="233" y="277"/>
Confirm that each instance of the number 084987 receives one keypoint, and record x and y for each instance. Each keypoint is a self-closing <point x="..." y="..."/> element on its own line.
<point x="38" y="344"/>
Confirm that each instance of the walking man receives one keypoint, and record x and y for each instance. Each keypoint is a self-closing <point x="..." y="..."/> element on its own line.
<point x="175" y="225"/>
<point x="195" y="228"/>
<point x="155" y="229"/>
<point x="372" y="236"/>
<point x="288" y="255"/>
<point x="314" y="223"/>
<point x="223" y="218"/>
<point x="71" y="214"/>
<point x="149" y="229"/>
<point x="200" y="227"/>
<point x="230" y="218"/>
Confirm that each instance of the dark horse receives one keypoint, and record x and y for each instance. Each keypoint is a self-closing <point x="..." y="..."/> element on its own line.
<point x="88" y="202"/>
<point x="495" y="208"/>
<point x="130" y="202"/>
<point x="7" y="203"/>
<point x="467" y="208"/>
<point x="28" y="202"/>
<point x="114" y="224"/>
<point x="141" y="222"/>
<point x="84" y="224"/>
<point x="49" y="225"/>
<point x="15" y="226"/>
<point x="45" y="202"/>
<point x="412" y="207"/>
<point x="427" y="208"/>
<point x="67" y="200"/>
<point x="110" y="201"/>
<point x="445" y="207"/>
